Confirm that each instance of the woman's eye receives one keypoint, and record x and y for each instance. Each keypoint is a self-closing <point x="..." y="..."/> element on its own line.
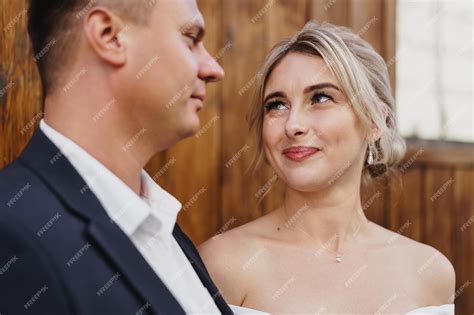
<point x="275" y="105"/>
<point x="320" y="98"/>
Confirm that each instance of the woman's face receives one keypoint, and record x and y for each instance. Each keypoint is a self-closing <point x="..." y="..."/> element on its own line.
<point x="311" y="135"/>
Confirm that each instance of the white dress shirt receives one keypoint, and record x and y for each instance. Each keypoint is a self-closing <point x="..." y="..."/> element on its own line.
<point x="147" y="220"/>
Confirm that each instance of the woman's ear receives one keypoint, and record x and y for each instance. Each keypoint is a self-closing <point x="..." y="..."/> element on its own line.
<point x="375" y="132"/>
<point x="102" y="29"/>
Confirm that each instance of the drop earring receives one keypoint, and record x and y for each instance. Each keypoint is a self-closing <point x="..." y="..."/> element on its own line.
<point x="370" y="157"/>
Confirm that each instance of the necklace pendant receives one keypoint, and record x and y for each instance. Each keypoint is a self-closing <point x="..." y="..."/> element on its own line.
<point x="339" y="258"/>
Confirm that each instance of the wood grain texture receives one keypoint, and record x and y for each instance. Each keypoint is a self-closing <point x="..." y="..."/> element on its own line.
<point x="246" y="30"/>
<point x="438" y="205"/>
<point x="20" y="94"/>
<point x="405" y="210"/>
<point x="462" y="241"/>
<point x="332" y="11"/>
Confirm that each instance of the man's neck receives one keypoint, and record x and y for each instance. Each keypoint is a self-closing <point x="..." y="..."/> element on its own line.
<point x="123" y="155"/>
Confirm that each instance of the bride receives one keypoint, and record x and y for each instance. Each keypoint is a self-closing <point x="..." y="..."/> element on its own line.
<point x="323" y="120"/>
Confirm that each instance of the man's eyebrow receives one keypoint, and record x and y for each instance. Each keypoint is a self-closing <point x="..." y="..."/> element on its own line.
<point x="272" y="95"/>
<point x="320" y="86"/>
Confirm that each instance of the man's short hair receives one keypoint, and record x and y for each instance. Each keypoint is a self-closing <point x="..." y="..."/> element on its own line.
<point x="53" y="26"/>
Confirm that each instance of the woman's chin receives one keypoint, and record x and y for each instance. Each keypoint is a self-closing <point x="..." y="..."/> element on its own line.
<point x="305" y="183"/>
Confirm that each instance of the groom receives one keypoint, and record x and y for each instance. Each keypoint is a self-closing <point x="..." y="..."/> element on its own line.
<point x="83" y="229"/>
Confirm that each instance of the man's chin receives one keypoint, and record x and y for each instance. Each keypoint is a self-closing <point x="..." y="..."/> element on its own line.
<point x="191" y="128"/>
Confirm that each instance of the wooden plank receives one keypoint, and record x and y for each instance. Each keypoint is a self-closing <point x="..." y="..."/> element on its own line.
<point x="284" y="19"/>
<point x="405" y="213"/>
<point x="366" y="19"/>
<point x="20" y="91"/>
<point x="373" y="198"/>
<point x="244" y="26"/>
<point x="332" y="11"/>
<point x="389" y="36"/>
<point x="441" y="153"/>
<point x="463" y="238"/>
<point x="438" y="203"/>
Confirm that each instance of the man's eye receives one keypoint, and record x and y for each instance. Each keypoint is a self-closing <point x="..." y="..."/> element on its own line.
<point x="193" y="39"/>
<point x="275" y="105"/>
<point x="320" y="98"/>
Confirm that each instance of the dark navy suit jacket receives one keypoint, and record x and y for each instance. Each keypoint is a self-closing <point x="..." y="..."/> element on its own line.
<point x="61" y="254"/>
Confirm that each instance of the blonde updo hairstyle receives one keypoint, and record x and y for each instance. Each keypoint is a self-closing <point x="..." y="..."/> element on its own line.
<point x="363" y="77"/>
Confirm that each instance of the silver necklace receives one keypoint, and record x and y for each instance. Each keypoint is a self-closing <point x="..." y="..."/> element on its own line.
<point x="339" y="255"/>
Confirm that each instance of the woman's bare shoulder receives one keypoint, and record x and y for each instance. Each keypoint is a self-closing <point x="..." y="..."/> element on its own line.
<point x="242" y="239"/>
<point x="418" y="251"/>
<point x="225" y="256"/>
<point x="426" y="264"/>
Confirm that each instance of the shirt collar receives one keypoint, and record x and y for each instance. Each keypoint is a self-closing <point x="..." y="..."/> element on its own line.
<point x="127" y="209"/>
<point x="164" y="206"/>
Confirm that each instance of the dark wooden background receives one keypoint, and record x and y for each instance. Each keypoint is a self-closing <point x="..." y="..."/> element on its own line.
<point x="207" y="172"/>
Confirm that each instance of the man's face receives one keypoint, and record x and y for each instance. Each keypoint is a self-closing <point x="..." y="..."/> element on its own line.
<point x="166" y="74"/>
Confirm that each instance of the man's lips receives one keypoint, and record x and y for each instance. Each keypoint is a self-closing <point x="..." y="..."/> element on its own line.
<point x="200" y="99"/>
<point x="299" y="153"/>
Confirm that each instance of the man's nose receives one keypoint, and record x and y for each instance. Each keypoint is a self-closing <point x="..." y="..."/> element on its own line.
<point x="209" y="69"/>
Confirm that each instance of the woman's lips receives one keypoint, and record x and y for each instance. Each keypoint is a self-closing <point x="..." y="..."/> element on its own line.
<point x="299" y="154"/>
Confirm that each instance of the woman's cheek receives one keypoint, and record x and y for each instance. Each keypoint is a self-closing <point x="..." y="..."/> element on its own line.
<point x="337" y="125"/>
<point x="271" y="132"/>
<point x="271" y="139"/>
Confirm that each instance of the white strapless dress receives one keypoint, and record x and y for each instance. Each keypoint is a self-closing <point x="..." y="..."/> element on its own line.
<point x="446" y="309"/>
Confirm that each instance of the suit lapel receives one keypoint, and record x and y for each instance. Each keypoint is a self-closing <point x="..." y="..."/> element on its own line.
<point x="44" y="158"/>
<point x="193" y="256"/>
<point x="131" y="264"/>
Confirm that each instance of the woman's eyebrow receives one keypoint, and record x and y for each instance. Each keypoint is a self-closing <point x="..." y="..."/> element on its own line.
<point x="306" y="90"/>
<point x="272" y="95"/>
<point x="320" y="86"/>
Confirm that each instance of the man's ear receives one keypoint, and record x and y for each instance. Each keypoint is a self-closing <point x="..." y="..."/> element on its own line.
<point x="102" y="28"/>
